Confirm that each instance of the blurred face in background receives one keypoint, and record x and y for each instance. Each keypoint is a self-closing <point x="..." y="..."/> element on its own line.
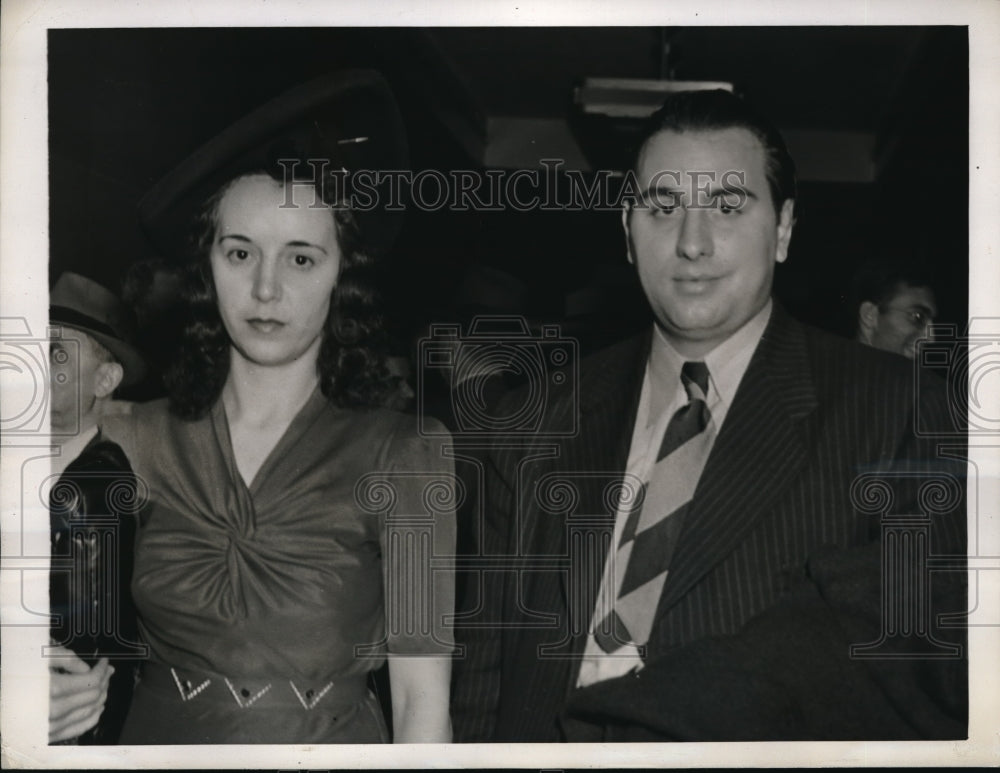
<point x="899" y="322"/>
<point x="81" y="372"/>
<point x="402" y="395"/>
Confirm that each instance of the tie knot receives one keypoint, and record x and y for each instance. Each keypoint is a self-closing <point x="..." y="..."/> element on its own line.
<point x="694" y="376"/>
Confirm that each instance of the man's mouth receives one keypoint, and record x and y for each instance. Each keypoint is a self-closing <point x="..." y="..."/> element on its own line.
<point x="694" y="284"/>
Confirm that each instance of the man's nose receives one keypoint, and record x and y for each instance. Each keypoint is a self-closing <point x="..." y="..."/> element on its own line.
<point x="266" y="284"/>
<point x="695" y="238"/>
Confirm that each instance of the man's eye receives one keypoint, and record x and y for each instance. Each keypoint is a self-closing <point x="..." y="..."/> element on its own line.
<point x="918" y="317"/>
<point x="665" y="206"/>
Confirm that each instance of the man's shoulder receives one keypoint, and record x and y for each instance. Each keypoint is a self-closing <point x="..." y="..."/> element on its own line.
<point x="847" y="373"/>
<point x="842" y="360"/>
<point x="101" y="458"/>
<point x="586" y="382"/>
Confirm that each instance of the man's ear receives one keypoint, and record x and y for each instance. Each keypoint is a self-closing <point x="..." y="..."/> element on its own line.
<point x="867" y="321"/>
<point x="107" y="378"/>
<point x="786" y="221"/>
<point x="626" y="212"/>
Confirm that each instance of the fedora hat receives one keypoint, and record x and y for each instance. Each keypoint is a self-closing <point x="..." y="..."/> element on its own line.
<point x="349" y="119"/>
<point x="82" y="304"/>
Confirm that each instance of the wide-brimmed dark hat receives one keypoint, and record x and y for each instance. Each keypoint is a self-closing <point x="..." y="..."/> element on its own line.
<point x="348" y="118"/>
<point x="85" y="305"/>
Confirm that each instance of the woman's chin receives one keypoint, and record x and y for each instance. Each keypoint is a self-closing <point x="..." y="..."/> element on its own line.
<point x="272" y="355"/>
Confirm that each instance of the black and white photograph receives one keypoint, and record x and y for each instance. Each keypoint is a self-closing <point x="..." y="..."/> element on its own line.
<point x="550" y="388"/>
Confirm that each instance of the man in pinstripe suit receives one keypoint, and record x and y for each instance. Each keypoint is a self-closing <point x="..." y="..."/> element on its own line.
<point x="768" y="619"/>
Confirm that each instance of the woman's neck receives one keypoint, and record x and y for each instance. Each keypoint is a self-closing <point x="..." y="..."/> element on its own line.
<point x="268" y="395"/>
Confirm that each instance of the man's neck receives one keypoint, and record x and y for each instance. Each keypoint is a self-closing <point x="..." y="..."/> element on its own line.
<point x="70" y="446"/>
<point x="62" y="435"/>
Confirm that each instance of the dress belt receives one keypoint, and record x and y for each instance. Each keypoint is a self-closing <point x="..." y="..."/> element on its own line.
<point x="203" y="687"/>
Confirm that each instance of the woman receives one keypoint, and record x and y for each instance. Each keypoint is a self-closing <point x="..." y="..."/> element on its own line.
<point x="262" y="562"/>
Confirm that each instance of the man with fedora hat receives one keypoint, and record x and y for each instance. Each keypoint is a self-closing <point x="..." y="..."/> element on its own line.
<point x="91" y="509"/>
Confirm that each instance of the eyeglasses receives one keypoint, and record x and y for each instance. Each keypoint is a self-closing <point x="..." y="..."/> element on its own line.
<point x="918" y="317"/>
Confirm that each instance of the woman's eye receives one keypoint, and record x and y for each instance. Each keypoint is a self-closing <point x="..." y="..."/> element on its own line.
<point x="302" y="261"/>
<point x="239" y="254"/>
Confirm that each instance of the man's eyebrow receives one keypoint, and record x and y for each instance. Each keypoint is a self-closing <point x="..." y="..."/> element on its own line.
<point x="713" y="193"/>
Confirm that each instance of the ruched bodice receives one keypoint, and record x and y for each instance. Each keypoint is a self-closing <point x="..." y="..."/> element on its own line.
<point x="285" y="579"/>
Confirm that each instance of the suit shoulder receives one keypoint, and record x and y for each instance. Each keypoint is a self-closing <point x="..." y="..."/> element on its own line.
<point x="101" y="456"/>
<point x="841" y="360"/>
<point x="582" y="383"/>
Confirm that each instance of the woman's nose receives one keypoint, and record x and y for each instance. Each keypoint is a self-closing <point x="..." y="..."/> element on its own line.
<point x="266" y="286"/>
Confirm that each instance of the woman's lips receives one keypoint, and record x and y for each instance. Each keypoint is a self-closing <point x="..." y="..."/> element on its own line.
<point x="265" y="325"/>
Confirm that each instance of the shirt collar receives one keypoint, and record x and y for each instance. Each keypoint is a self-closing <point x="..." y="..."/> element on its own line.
<point x="71" y="448"/>
<point x="726" y="364"/>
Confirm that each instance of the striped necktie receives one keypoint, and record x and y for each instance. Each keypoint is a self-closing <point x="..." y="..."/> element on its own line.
<point x="654" y="524"/>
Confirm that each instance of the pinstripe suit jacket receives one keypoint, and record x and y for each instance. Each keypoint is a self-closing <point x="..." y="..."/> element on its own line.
<point x="812" y="416"/>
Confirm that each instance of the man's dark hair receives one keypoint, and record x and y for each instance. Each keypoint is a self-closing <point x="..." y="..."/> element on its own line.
<point x="716" y="109"/>
<point x="879" y="279"/>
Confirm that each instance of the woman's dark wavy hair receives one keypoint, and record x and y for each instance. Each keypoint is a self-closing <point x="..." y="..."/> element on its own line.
<point x="352" y="353"/>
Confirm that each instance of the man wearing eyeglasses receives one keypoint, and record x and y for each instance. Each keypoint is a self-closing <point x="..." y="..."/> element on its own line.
<point x="895" y="308"/>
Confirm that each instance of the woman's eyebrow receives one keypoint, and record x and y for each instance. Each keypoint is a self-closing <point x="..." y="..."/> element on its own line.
<point x="302" y="243"/>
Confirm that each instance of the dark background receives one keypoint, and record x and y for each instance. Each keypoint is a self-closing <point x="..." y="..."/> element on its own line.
<point x="127" y="105"/>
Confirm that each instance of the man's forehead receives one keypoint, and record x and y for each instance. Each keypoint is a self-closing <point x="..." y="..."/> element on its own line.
<point x="915" y="295"/>
<point x="66" y="333"/>
<point x="690" y="151"/>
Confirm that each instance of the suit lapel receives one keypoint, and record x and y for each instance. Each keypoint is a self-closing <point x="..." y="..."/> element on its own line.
<point x="762" y="444"/>
<point x="594" y="461"/>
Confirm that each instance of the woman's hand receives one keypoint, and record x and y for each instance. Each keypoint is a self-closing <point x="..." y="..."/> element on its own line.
<point x="77" y="693"/>
<point x="420" y="691"/>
